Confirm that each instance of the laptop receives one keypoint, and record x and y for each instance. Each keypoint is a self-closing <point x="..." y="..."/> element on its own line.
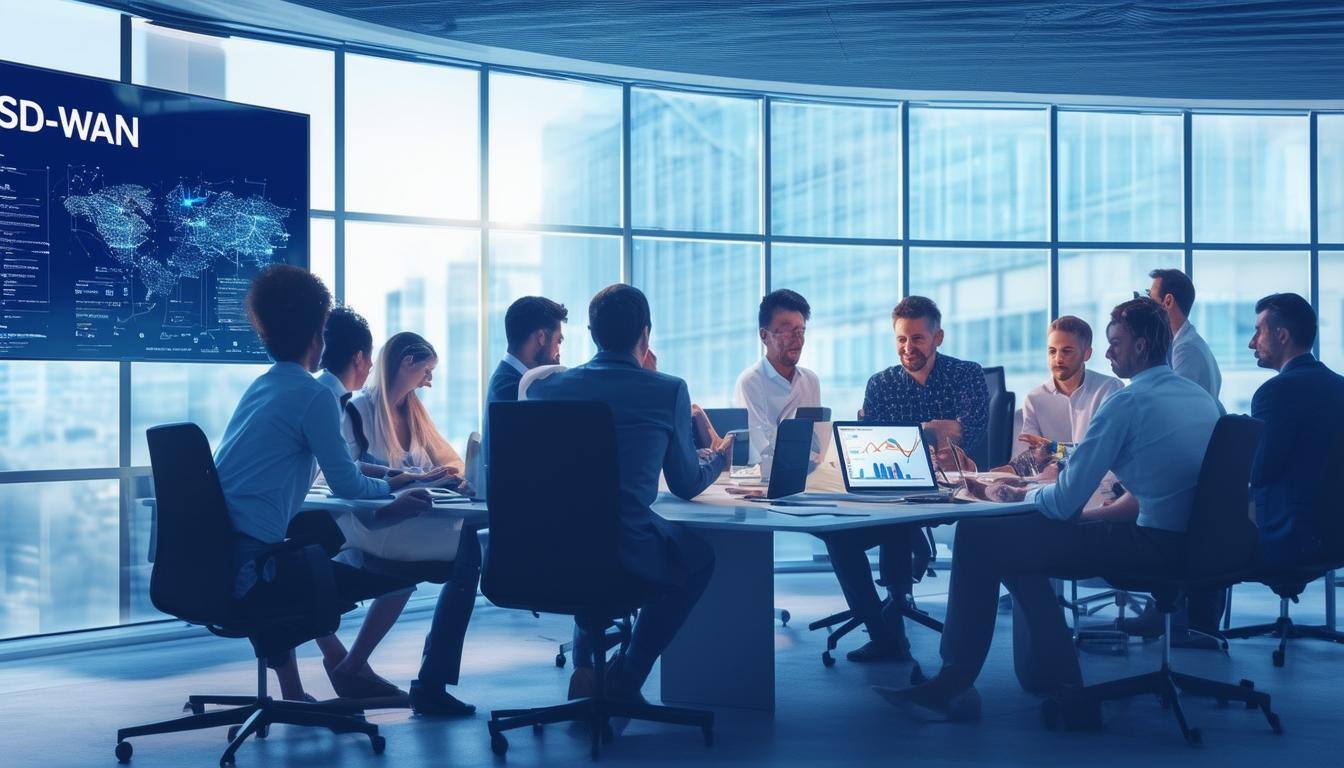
<point x="474" y="473"/>
<point x="885" y="459"/>
<point x="793" y="458"/>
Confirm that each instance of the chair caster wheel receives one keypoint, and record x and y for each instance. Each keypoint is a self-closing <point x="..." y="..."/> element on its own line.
<point x="123" y="751"/>
<point x="1274" y="723"/>
<point x="498" y="744"/>
<point x="784" y="617"/>
<point x="1278" y="658"/>
<point x="379" y="743"/>
<point x="709" y="736"/>
<point x="1195" y="737"/>
<point x="1050" y="714"/>
<point x="560" y="660"/>
<point x="262" y="732"/>
<point x="537" y="728"/>
<point x="827" y="660"/>
<point x="233" y="732"/>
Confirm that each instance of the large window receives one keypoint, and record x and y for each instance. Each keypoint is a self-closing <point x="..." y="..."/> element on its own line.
<point x="1330" y="176"/>
<point x="1332" y="309"/>
<point x="1091" y="283"/>
<point x="979" y="174"/>
<point x="696" y="162"/>
<point x="704" y="296"/>
<point x="1227" y="285"/>
<point x="1120" y="177"/>
<point x="1251" y="179"/>
<point x="58" y="34"/>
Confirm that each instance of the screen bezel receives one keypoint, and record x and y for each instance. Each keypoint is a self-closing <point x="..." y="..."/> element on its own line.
<point x="844" y="462"/>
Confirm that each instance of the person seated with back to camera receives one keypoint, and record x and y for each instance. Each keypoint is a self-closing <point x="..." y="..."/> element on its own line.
<point x="286" y="426"/>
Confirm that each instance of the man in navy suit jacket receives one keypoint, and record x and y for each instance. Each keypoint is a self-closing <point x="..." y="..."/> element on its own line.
<point x="1303" y="411"/>
<point x="532" y="329"/>
<point x="652" y="414"/>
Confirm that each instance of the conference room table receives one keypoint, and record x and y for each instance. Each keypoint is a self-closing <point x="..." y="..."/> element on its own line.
<point x="724" y="655"/>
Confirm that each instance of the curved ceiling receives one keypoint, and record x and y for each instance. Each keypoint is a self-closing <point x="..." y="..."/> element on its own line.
<point x="1179" y="49"/>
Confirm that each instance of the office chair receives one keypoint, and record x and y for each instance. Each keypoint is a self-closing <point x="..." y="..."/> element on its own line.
<point x="1221" y="545"/>
<point x="1289" y="583"/>
<point x="193" y="580"/>
<point x="999" y="437"/>
<point x="559" y="552"/>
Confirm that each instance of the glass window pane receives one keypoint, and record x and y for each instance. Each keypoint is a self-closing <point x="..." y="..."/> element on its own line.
<point x="59" y="556"/>
<point x="978" y="174"/>
<point x="564" y="268"/>
<point x="835" y="171"/>
<point x="266" y="74"/>
<point x="426" y="280"/>
<point x="1120" y="177"/>
<point x="1331" y="309"/>
<point x="73" y="37"/>
<point x="1092" y="283"/>
<point x="1227" y="285"/>
<point x="1330" y="177"/>
<point x="995" y="307"/>
<point x="58" y="415"/>
<point x="202" y="393"/>
<point x="851" y="291"/>
<point x="555" y="151"/>
<point x="322" y="251"/>
<point x="696" y="162"/>
<point x="412" y="138"/>
<point x="1251" y="180"/>
<point x="704" y="297"/>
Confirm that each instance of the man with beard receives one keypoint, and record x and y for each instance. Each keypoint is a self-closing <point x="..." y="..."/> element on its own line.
<point x="532" y="329"/>
<point x="948" y="397"/>
<point x="1303" y="411"/>
<point x="776" y="387"/>
<point x="1060" y="409"/>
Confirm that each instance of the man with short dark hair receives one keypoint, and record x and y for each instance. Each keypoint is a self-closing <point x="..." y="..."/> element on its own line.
<point x="776" y="387"/>
<point x="949" y="398"/>
<point x="285" y="422"/>
<point x="652" y="414"/>
<point x="1303" y="411"/>
<point x="1190" y="354"/>
<point x="1153" y="435"/>
<point x="532" y="330"/>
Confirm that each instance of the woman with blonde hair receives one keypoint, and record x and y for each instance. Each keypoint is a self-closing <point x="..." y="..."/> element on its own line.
<point x="397" y="425"/>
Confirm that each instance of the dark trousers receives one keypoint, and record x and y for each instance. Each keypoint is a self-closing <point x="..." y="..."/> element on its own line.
<point x="658" y="620"/>
<point x="849" y="559"/>
<point x="441" y="661"/>
<point x="1022" y="553"/>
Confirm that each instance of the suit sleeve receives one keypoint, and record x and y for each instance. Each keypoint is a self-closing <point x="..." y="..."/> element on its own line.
<point x="1275" y="454"/>
<point x="687" y="475"/>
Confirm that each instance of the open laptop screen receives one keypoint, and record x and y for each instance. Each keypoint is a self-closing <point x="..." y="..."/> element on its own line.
<point x="883" y="457"/>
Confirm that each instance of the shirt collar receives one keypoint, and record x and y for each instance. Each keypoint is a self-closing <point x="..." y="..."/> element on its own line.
<point x="332" y="382"/>
<point x="773" y="375"/>
<point x="933" y="372"/>
<point x="515" y="363"/>
<point x="612" y="356"/>
<point x="290" y="368"/>
<point x="1187" y="329"/>
<point x="1053" y="388"/>
<point x="1156" y="370"/>
<point x="1306" y="358"/>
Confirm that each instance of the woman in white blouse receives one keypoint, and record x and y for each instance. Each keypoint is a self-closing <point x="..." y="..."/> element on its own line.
<point x="397" y="425"/>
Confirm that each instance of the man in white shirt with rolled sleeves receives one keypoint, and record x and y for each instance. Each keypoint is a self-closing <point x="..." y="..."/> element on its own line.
<point x="776" y="387"/>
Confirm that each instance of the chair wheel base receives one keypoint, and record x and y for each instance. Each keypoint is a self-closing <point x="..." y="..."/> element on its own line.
<point x="1278" y="657"/>
<point x="124" y="751"/>
<point x="784" y="617"/>
<point x="498" y="744"/>
<point x="827" y="660"/>
<point x="560" y="660"/>
<point x="379" y="744"/>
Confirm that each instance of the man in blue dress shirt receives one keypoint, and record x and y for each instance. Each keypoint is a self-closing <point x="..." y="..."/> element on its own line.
<point x="652" y="414"/>
<point x="949" y="398"/>
<point x="1303" y="411"/>
<point x="1153" y="435"/>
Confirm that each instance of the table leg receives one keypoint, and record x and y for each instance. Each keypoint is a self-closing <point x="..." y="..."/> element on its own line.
<point x="724" y="655"/>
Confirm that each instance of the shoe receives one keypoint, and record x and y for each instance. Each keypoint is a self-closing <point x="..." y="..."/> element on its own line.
<point x="880" y="650"/>
<point x="1149" y="625"/>
<point x="954" y="706"/>
<point x="364" y="684"/>
<point x="434" y="701"/>
<point x="582" y="683"/>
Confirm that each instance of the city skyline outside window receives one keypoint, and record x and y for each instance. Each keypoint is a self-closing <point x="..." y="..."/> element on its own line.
<point x="728" y="195"/>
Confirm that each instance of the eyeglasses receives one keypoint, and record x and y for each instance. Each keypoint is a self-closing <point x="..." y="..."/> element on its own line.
<point x="796" y="333"/>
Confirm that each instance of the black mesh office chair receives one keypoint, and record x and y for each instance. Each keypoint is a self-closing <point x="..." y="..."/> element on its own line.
<point x="1221" y="545"/>
<point x="999" y="437"/>
<point x="1289" y="583"/>
<point x="558" y="552"/>
<point x="193" y="580"/>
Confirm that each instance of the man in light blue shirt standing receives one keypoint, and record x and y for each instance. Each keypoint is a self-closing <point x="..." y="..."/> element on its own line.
<point x="1152" y="435"/>
<point x="1190" y="354"/>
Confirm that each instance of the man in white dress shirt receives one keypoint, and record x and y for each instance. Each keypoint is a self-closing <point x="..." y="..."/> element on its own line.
<point x="1190" y="355"/>
<point x="776" y="387"/>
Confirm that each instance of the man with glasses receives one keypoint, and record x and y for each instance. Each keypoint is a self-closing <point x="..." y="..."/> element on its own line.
<point x="776" y="387"/>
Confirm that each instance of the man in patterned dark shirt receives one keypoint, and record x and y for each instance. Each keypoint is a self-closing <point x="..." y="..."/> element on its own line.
<point x="949" y="398"/>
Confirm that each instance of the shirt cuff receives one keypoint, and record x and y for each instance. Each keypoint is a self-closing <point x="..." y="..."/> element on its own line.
<point x="384" y="488"/>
